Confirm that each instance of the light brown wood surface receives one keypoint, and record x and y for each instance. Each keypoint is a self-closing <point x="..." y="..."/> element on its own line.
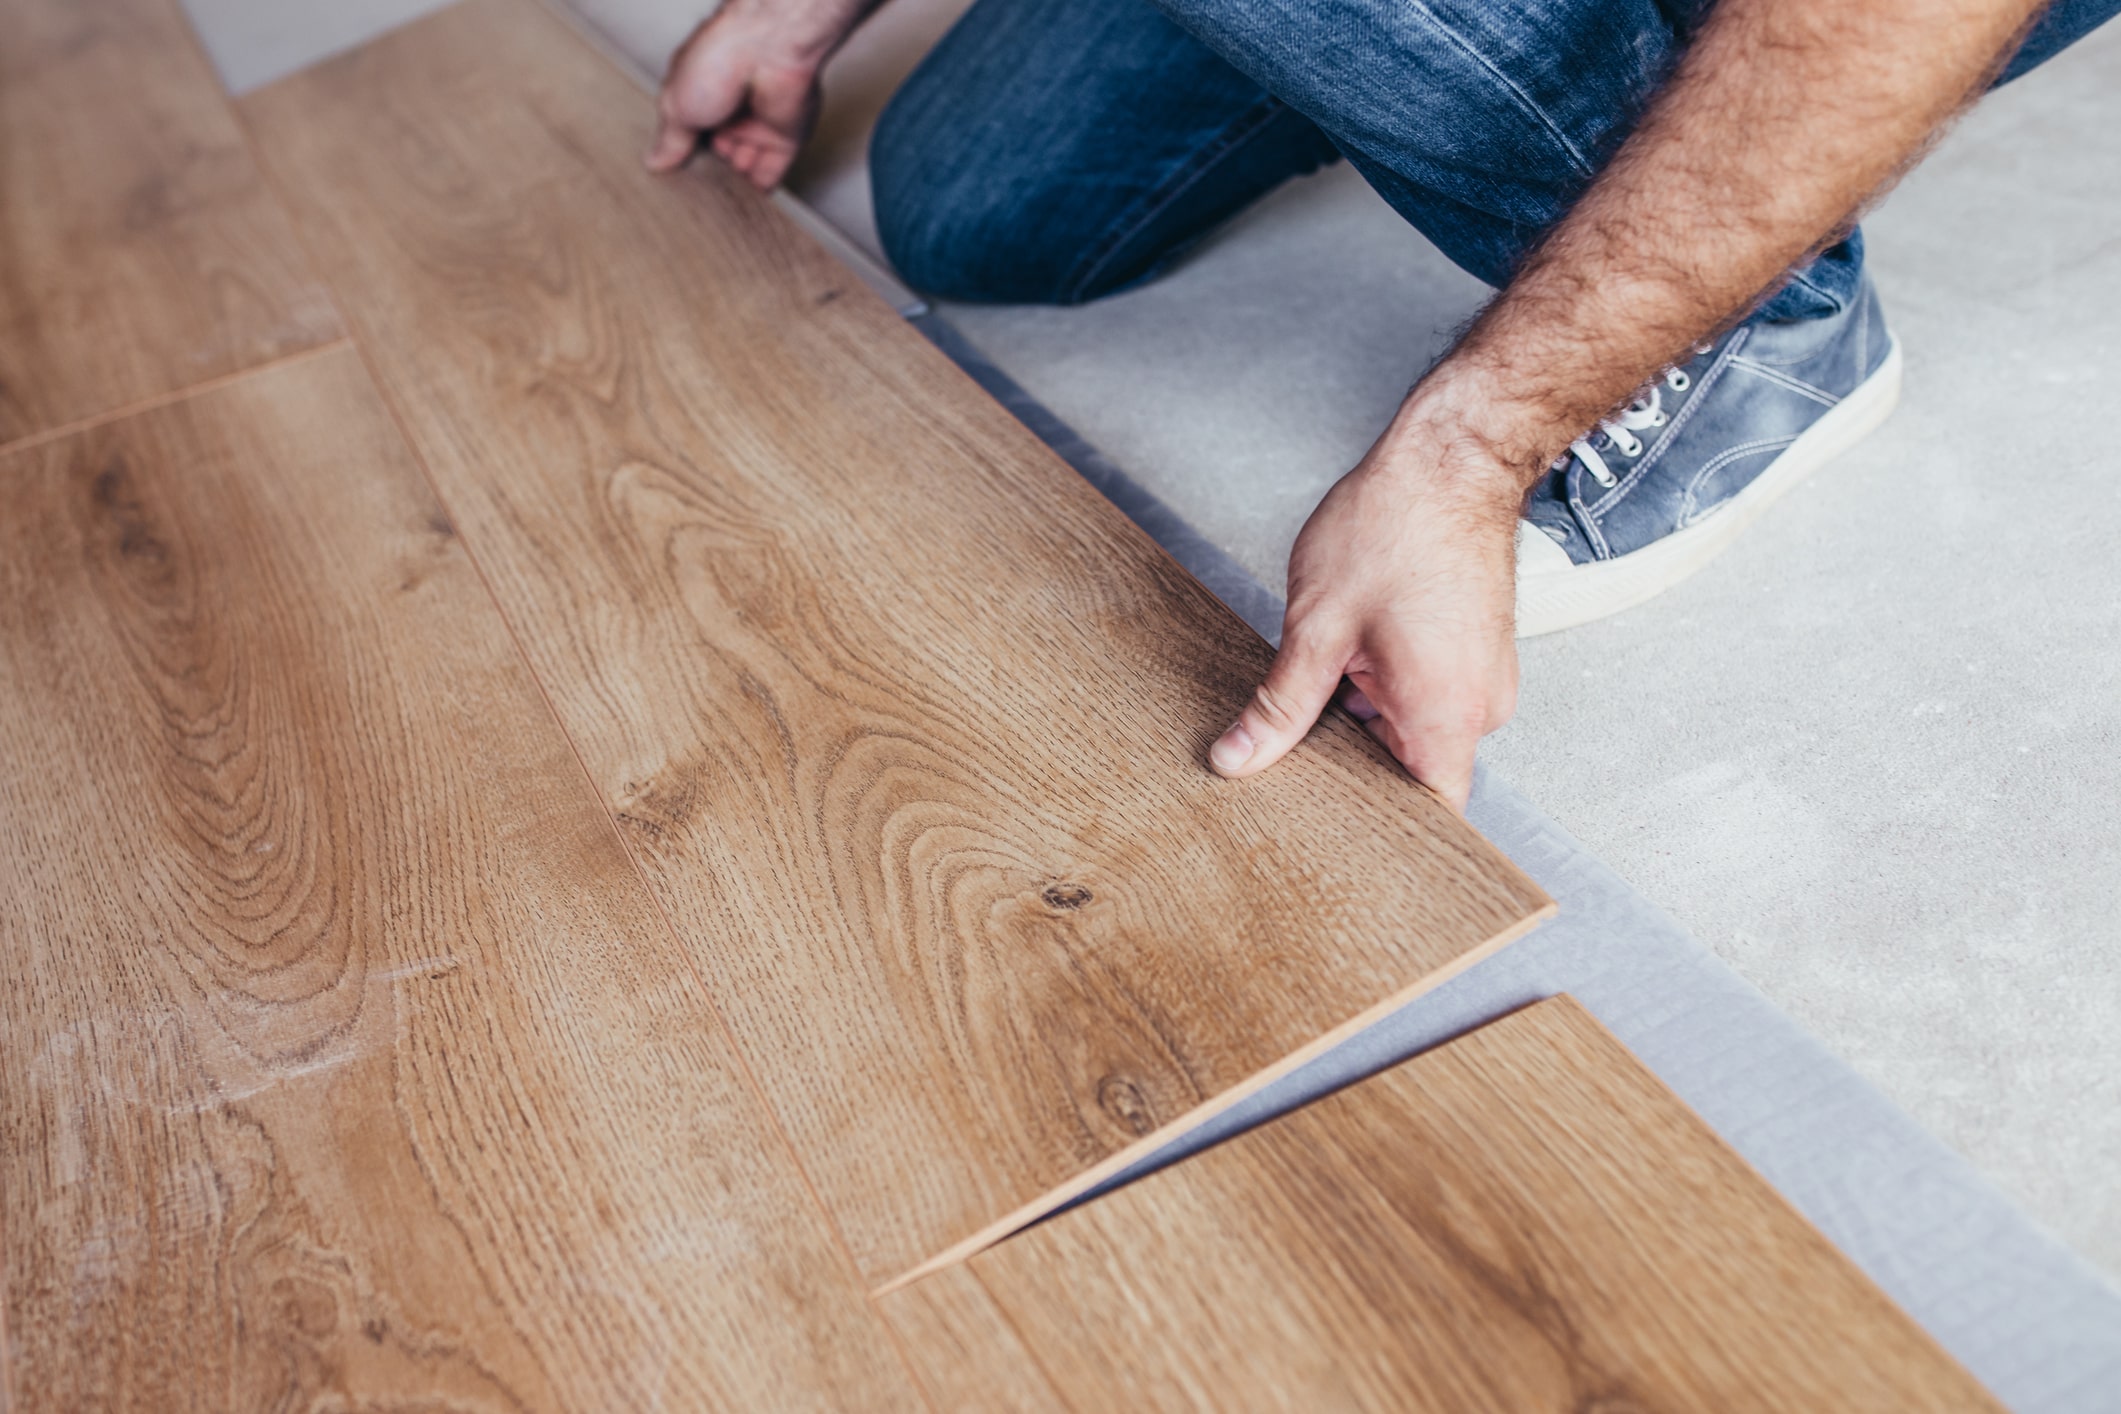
<point x="139" y="252"/>
<point x="905" y="724"/>
<point x="344" y="1061"/>
<point x="1521" y="1220"/>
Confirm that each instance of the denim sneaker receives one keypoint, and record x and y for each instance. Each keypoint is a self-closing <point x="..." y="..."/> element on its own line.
<point x="1658" y="490"/>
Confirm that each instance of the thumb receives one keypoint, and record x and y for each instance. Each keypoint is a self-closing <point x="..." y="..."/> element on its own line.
<point x="673" y="144"/>
<point x="1305" y="675"/>
<point x="700" y="93"/>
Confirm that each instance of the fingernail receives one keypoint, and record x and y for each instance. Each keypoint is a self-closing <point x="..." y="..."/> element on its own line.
<point x="1233" y="750"/>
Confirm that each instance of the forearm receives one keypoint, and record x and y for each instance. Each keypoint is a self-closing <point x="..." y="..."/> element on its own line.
<point x="1781" y="121"/>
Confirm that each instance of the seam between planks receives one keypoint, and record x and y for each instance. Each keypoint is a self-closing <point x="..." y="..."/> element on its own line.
<point x="729" y="1035"/>
<point x="1059" y="1196"/>
<point x="162" y="400"/>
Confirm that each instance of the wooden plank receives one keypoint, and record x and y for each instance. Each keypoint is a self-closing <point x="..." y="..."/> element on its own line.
<point x="1523" y="1219"/>
<point x="905" y="723"/>
<point x="344" y="1061"/>
<point x="140" y="253"/>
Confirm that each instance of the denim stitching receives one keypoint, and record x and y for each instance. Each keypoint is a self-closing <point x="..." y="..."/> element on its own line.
<point x="1240" y="131"/>
<point x="1524" y="100"/>
<point x="1798" y="386"/>
<point x="1721" y="460"/>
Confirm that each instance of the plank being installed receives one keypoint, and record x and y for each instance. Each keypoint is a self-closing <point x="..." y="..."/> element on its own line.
<point x="1523" y="1219"/>
<point x="905" y="724"/>
<point x="140" y="253"/>
<point x="345" y="1061"/>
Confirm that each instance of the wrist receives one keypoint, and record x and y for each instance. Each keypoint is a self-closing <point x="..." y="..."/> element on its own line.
<point x="1479" y="429"/>
<point x="796" y="34"/>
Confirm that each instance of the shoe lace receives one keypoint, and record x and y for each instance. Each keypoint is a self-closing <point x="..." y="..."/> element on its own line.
<point x="1617" y="433"/>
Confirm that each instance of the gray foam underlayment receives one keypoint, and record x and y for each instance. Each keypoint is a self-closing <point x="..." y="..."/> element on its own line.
<point x="2037" y="1324"/>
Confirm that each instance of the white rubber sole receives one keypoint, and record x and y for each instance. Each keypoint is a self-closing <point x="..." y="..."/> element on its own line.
<point x="1549" y="600"/>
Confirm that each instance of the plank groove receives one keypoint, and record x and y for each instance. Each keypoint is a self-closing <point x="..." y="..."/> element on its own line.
<point x="139" y="251"/>
<point x="1522" y="1220"/>
<point x="905" y="724"/>
<point x="344" y="1061"/>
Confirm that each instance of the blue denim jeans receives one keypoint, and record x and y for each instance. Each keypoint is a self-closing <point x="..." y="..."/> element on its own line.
<point x="1052" y="151"/>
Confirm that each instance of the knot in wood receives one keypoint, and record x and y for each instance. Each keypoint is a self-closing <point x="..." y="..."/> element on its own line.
<point x="1120" y="1098"/>
<point x="1065" y="898"/>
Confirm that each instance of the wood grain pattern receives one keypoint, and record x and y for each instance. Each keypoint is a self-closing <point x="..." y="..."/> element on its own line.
<point x="139" y="251"/>
<point x="344" y="1062"/>
<point x="905" y="723"/>
<point x="1522" y="1220"/>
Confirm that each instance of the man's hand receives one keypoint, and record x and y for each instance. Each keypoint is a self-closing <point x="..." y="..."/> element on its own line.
<point x="748" y="77"/>
<point x="1782" y="120"/>
<point x="1403" y="581"/>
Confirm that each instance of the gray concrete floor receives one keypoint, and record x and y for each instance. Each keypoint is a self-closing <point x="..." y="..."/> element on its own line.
<point x="1873" y="755"/>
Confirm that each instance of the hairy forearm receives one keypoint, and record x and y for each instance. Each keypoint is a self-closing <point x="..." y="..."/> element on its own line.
<point x="1782" y="120"/>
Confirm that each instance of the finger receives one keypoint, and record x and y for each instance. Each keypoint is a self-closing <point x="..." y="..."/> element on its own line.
<point x="1439" y="754"/>
<point x="774" y="160"/>
<point x="700" y="92"/>
<point x="1433" y="725"/>
<point x="1305" y="675"/>
<point x="673" y="144"/>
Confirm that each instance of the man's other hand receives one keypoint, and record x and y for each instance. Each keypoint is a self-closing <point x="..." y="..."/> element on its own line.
<point x="747" y="79"/>
<point x="1404" y="583"/>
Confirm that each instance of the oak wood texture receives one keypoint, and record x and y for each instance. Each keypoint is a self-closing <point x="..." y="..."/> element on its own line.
<point x="1521" y="1220"/>
<point x="344" y="1060"/>
<point x="905" y="723"/>
<point x="140" y="253"/>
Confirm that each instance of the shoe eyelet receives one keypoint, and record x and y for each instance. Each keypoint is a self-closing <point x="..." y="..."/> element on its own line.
<point x="1677" y="380"/>
<point x="1659" y="420"/>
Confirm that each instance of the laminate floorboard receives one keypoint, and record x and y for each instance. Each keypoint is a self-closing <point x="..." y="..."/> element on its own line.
<point x="1521" y="1220"/>
<point x="904" y="722"/>
<point x="345" y="1062"/>
<point x="140" y="254"/>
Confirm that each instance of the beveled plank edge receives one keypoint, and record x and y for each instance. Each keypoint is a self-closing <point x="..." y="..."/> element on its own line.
<point x="162" y="400"/>
<point x="196" y="46"/>
<point x="1565" y="1010"/>
<point x="1208" y="1109"/>
<point x="89" y="421"/>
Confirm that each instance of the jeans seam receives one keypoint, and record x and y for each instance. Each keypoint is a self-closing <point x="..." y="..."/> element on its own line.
<point x="1190" y="170"/>
<point x="1689" y="502"/>
<point x="1524" y="100"/>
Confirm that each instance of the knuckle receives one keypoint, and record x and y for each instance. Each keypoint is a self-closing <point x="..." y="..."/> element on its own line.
<point x="1275" y="708"/>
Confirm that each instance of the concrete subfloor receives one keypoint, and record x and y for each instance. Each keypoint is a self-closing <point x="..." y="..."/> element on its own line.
<point x="1872" y="756"/>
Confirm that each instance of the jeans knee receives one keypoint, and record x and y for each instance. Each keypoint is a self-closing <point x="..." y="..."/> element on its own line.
<point x="953" y="217"/>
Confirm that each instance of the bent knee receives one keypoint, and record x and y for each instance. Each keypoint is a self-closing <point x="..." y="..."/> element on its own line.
<point x="964" y="222"/>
